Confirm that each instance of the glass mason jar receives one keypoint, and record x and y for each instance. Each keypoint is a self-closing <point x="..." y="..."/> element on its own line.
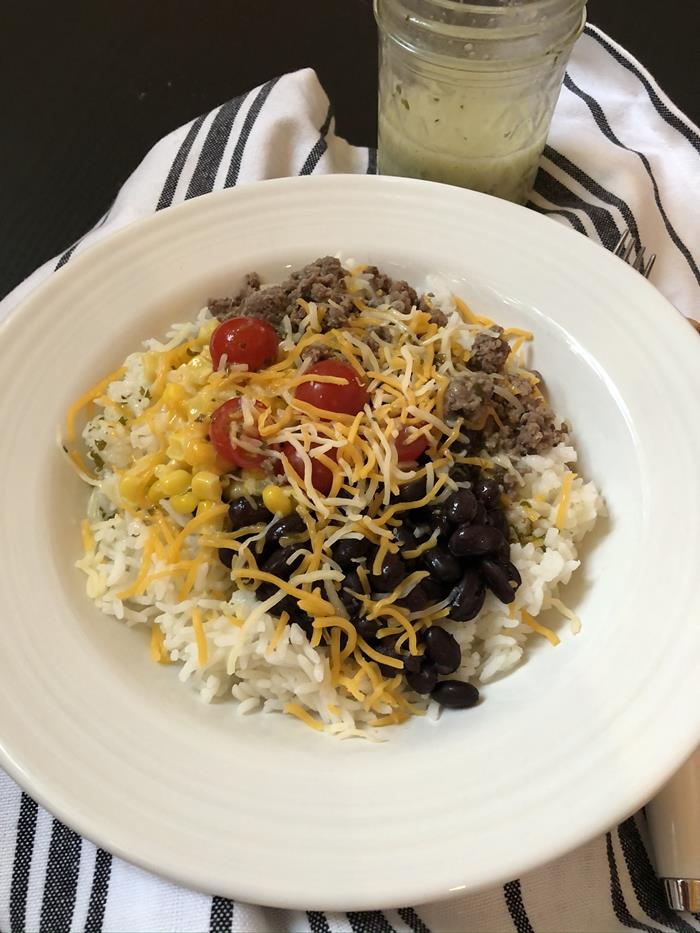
<point x="467" y="88"/>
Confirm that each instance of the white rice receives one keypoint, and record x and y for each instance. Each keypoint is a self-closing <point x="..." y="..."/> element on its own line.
<point x="240" y="660"/>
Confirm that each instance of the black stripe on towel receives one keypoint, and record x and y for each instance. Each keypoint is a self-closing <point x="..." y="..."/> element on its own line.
<point x="412" y="920"/>
<point x="516" y="908"/>
<point x="371" y="161"/>
<point x="221" y="915"/>
<point x="604" y="127"/>
<point x="24" y="847"/>
<point x="99" y="892"/>
<point x="317" y="922"/>
<point x="647" y="888"/>
<point x="558" y="194"/>
<point x="369" y="921"/>
<point x="660" y="107"/>
<point x="69" y="252"/>
<point x="204" y="176"/>
<point x="590" y="184"/>
<point x="250" y="118"/>
<point x="61" y="882"/>
<point x="320" y="146"/>
<point x="617" y="897"/>
<point x="569" y="215"/>
<point x="168" y="192"/>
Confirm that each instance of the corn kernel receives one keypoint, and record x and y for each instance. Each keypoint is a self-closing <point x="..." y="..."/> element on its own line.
<point x="132" y="487"/>
<point x="173" y="394"/>
<point x="176" y="482"/>
<point x="199" y="452"/>
<point x="183" y="503"/>
<point x="277" y="500"/>
<point x="206" y="485"/>
<point x="177" y="443"/>
<point x="207" y="329"/>
<point x="155" y="493"/>
<point x="198" y="370"/>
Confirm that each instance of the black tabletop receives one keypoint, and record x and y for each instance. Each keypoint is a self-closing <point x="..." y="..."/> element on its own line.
<point x="88" y="87"/>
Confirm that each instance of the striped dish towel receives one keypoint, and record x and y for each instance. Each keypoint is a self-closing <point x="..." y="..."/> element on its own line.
<point x="619" y="155"/>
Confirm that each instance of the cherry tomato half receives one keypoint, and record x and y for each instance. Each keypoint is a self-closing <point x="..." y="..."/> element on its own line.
<point x="347" y="399"/>
<point x="321" y="476"/>
<point x="244" y="340"/>
<point x="225" y="424"/>
<point x="408" y="451"/>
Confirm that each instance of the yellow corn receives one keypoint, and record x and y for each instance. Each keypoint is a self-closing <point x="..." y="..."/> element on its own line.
<point x="177" y="444"/>
<point x="175" y="483"/>
<point x="207" y="329"/>
<point x="277" y="500"/>
<point x="198" y="370"/>
<point x="183" y="503"/>
<point x="155" y="493"/>
<point x="172" y="395"/>
<point x="198" y="452"/>
<point x="133" y="487"/>
<point x="206" y="485"/>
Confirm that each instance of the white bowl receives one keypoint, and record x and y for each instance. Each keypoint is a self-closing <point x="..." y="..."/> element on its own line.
<point x="262" y="808"/>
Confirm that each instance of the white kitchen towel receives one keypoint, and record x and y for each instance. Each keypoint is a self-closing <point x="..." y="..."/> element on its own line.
<point x="619" y="155"/>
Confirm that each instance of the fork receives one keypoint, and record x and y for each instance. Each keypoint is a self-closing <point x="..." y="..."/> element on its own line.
<point x="625" y="248"/>
<point x="639" y="260"/>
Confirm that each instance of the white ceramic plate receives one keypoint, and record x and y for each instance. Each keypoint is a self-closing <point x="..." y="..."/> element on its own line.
<point x="262" y="808"/>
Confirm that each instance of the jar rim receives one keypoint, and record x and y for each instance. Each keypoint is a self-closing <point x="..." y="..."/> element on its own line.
<point x="520" y="29"/>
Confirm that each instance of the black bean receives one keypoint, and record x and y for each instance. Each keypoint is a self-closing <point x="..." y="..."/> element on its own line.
<point x="437" y="518"/>
<point x="513" y="573"/>
<point x="226" y="556"/>
<point x="416" y="600"/>
<point x="412" y="491"/>
<point x="412" y="663"/>
<point x="405" y="538"/>
<point x="487" y="490"/>
<point x="366" y="628"/>
<point x="442" y="649"/>
<point x="436" y="590"/>
<point x="241" y="513"/>
<point x="461" y="507"/>
<point x="460" y="473"/>
<point x="475" y="541"/>
<point x="467" y="598"/>
<point x="496" y="578"/>
<point x="347" y="550"/>
<point x="277" y="562"/>
<point x="289" y="525"/>
<point x="481" y="516"/>
<point x="385" y="646"/>
<point x="351" y="603"/>
<point x="455" y="694"/>
<point x="441" y="565"/>
<point x="423" y="680"/>
<point x="497" y="519"/>
<point x="305" y="623"/>
<point x="392" y="572"/>
<point x="265" y="591"/>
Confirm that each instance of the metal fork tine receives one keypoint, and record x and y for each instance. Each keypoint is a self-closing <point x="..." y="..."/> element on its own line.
<point x="624" y="245"/>
<point x="625" y="248"/>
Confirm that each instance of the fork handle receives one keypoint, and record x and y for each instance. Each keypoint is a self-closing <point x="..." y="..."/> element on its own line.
<point x="674" y="822"/>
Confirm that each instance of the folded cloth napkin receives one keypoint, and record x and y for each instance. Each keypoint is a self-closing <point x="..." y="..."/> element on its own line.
<point x="619" y="155"/>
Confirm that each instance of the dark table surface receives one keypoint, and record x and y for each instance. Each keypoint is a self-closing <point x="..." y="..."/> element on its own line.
<point x="88" y="87"/>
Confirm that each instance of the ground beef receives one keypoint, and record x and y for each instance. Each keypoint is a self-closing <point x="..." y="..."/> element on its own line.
<point x="375" y="335"/>
<point x="402" y="296"/>
<point x="317" y="352"/>
<point x="270" y="304"/>
<point x="467" y="395"/>
<point x="489" y="351"/>
<point x="223" y="308"/>
<point x="537" y="430"/>
<point x="322" y="281"/>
